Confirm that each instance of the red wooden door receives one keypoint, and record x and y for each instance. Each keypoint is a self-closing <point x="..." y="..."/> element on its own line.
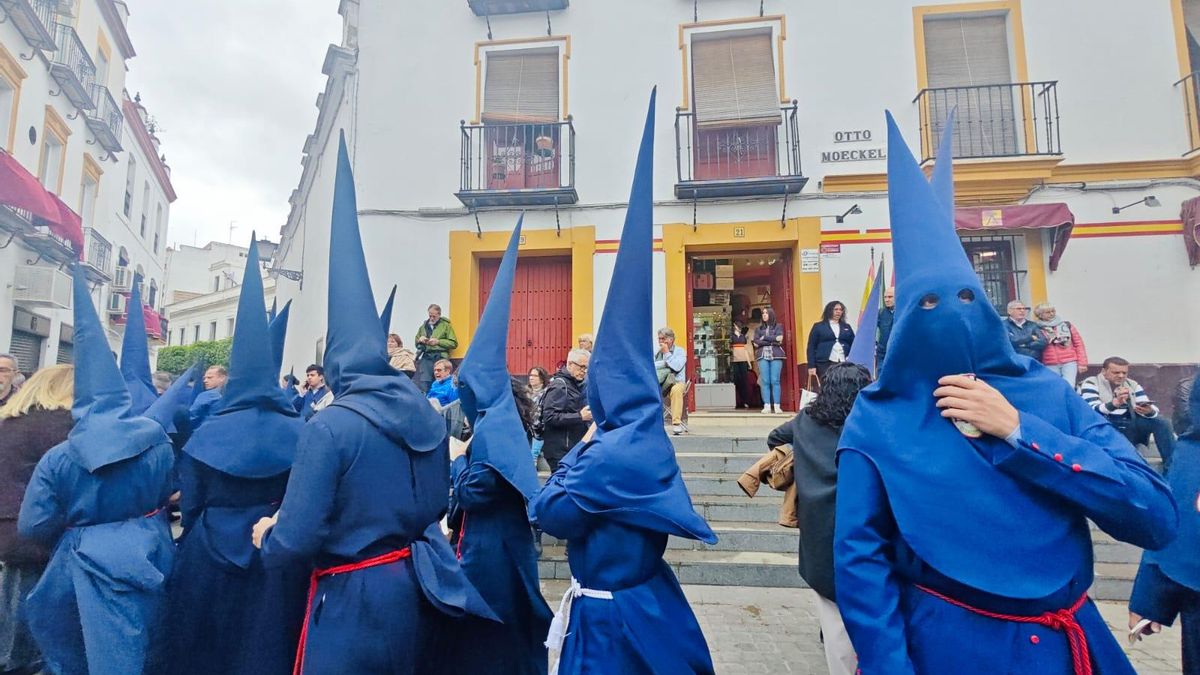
<point x="782" y="295"/>
<point x="539" y="325"/>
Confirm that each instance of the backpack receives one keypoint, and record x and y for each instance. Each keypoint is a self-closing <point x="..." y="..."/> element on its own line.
<point x="538" y="426"/>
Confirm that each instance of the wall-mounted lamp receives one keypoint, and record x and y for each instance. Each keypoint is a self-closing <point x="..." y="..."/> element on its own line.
<point x="852" y="211"/>
<point x="1149" y="200"/>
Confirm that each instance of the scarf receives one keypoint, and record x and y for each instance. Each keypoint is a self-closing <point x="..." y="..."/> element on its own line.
<point x="1057" y="331"/>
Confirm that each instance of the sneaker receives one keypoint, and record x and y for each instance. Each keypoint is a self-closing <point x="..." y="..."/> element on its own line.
<point x="777" y="409"/>
<point x="677" y="429"/>
<point x="766" y="410"/>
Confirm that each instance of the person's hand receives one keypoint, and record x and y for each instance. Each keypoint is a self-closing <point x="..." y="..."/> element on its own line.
<point x="458" y="448"/>
<point x="779" y="338"/>
<point x="1144" y="409"/>
<point x="590" y="432"/>
<point x="1149" y="629"/>
<point x="586" y="412"/>
<point x="432" y="342"/>
<point x="1120" y="397"/>
<point x="260" y="529"/>
<point x="173" y="500"/>
<point x="963" y="398"/>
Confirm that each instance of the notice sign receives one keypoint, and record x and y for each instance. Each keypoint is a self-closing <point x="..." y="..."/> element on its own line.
<point x="831" y="250"/>
<point x="810" y="260"/>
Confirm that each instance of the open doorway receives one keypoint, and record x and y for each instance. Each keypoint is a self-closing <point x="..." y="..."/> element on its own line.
<point x="726" y="295"/>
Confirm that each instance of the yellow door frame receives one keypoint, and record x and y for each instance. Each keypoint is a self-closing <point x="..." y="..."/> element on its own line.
<point x="468" y="248"/>
<point x="796" y="235"/>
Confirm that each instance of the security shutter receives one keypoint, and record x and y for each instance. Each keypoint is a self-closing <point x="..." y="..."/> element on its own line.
<point x="521" y="87"/>
<point x="27" y="347"/>
<point x="66" y="352"/>
<point x="967" y="63"/>
<point x="733" y="76"/>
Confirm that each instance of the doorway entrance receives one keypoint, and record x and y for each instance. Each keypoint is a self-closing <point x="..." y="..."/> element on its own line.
<point x="726" y="294"/>
<point x="539" y="324"/>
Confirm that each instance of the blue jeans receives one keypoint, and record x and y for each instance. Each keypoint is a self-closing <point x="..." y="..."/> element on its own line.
<point x="768" y="380"/>
<point x="1069" y="371"/>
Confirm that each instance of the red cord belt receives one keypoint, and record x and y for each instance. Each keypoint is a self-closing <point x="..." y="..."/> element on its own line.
<point x="1062" y="620"/>
<point x="317" y="574"/>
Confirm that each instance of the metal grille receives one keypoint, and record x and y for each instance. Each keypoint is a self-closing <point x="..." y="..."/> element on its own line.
<point x="994" y="260"/>
<point x="753" y="151"/>
<point x="27" y="347"/>
<point x="994" y="120"/>
<point x="66" y="352"/>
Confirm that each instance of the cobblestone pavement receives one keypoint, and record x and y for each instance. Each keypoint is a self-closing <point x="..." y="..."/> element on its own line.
<point x="774" y="630"/>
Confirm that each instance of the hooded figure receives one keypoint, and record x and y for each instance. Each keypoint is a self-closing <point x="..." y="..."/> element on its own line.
<point x="278" y="327"/>
<point x="617" y="497"/>
<point x="170" y="409"/>
<point x="1168" y="582"/>
<point x="96" y="499"/>
<point x="493" y="483"/>
<point x="228" y="613"/>
<point x="370" y="483"/>
<point x="135" y="354"/>
<point x="385" y="315"/>
<point x="965" y="547"/>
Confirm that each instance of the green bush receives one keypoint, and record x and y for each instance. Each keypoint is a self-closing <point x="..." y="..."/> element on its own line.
<point x="177" y="359"/>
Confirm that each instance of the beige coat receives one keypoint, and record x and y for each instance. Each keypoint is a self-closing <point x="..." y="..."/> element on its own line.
<point x="774" y="469"/>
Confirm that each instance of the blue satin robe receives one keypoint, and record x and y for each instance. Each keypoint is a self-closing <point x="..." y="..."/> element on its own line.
<point x="227" y="613"/>
<point x="99" y="607"/>
<point x="898" y="629"/>
<point x="355" y="494"/>
<point x="648" y="627"/>
<point x="497" y="553"/>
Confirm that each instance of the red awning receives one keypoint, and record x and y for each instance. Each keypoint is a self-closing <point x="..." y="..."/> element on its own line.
<point x="66" y="224"/>
<point x="21" y="189"/>
<point x="1190" y="214"/>
<point x="1056" y="217"/>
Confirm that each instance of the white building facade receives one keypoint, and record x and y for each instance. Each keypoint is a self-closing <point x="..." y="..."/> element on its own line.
<point x="770" y="162"/>
<point x="66" y="120"/>
<point x="202" y="289"/>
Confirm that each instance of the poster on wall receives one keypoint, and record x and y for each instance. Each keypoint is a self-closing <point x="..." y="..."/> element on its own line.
<point x="810" y="260"/>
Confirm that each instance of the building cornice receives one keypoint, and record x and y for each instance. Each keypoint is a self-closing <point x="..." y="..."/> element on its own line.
<point x="117" y="27"/>
<point x="136" y="127"/>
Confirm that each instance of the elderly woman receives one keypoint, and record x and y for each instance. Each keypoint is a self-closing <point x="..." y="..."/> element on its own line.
<point x="400" y="357"/>
<point x="35" y="419"/>
<point x="1065" y="353"/>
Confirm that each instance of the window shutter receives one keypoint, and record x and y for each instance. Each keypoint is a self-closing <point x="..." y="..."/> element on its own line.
<point x="966" y="51"/>
<point x="521" y="87"/>
<point x="734" y="80"/>
<point x="27" y="347"/>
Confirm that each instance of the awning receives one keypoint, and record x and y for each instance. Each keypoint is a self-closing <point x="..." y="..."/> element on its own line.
<point x="1056" y="217"/>
<point x="21" y="189"/>
<point x="1190" y="215"/>
<point x="66" y="224"/>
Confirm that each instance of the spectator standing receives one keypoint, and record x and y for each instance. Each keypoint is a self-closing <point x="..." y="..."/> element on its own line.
<point x="565" y="414"/>
<point x="534" y="391"/>
<point x="400" y="357"/>
<point x="830" y="339"/>
<point x="1064" y="352"/>
<point x="1026" y="337"/>
<point x="9" y="369"/>
<point x="670" y="364"/>
<point x="206" y="402"/>
<point x="741" y="363"/>
<point x="768" y="349"/>
<point x="435" y="339"/>
<point x="162" y="381"/>
<point x="883" y="326"/>
<point x="443" y="390"/>
<point x="1111" y="394"/>
<point x="315" y="395"/>
<point x="34" y="420"/>
<point x="586" y="342"/>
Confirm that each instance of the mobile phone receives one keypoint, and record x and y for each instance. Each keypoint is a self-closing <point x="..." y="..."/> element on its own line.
<point x="1135" y="633"/>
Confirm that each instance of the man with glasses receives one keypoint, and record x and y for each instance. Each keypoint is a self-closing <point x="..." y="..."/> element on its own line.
<point x="670" y="362"/>
<point x="565" y="413"/>
<point x="8" y="374"/>
<point x="443" y="389"/>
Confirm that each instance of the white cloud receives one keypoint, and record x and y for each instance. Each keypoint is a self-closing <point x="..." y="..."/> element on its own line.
<point x="232" y="84"/>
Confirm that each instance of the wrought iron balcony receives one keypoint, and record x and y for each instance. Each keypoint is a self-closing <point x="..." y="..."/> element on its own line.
<point x="1189" y="86"/>
<point x="493" y="7"/>
<point x="99" y="254"/>
<point x="737" y="161"/>
<point x="994" y="120"/>
<point x="105" y="119"/>
<point x="517" y="164"/>
<point x="34" y="19"/>
<point x="72" y="68"/>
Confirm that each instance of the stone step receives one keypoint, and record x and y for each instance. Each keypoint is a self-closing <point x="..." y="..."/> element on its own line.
<point x="708" y="567"/>
<point x="732" y="463"/>
<point x="747" y="444"/>
<point x="763" y="509"/>
<point x="1113" y="581"/>
<point x="732" y="536"/>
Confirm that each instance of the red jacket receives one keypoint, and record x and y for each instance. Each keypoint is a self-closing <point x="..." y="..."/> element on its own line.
<point x="1059" y="354"/>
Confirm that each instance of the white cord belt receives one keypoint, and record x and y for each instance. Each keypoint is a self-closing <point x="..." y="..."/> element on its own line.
<point x="562" y="619"/>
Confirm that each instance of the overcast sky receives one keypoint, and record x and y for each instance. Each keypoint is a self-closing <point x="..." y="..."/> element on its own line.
<point x="232" y="84"/>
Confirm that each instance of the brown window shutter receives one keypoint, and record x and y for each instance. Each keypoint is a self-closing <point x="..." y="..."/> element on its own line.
<point x="734" y="81"/>
<point x="521" y="87"/>
<point x="966" y="51"/>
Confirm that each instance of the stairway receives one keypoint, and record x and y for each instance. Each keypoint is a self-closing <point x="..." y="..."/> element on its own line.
<point x="753" y="549"/>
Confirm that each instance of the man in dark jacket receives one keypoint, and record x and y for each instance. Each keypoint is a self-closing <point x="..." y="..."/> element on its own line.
<point x="565" y="413"/>
<point x="883" y="325"/>
<point x="1026" y="337"/>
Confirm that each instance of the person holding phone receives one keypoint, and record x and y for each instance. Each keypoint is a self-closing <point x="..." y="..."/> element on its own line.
<point x="1112" y="391"/>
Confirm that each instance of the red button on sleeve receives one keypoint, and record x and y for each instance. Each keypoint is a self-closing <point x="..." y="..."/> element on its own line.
<point x="1035" y="446"/>
<point x="1058" y="456"/>
<point x="1076" y="468"/>
<point x="1034" y="639"/>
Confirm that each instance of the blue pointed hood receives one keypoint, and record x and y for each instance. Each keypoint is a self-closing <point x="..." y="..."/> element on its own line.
<point x="862" y="351"/>
<point x="106" y="430"/>
<point x="971" y="522"/>
<point x="942" y="179"/>
<point x="278" y="328"/>
<point x="1179" y="560"/>
<point x="135" y="353"/>
<point x="274" y="310"/>
<point x="177" y="398"/>
<point x="484" y="386"/>
<point x="254" y="433"/>
<point x="385" y="316"/>
<point x="628" y="471"/>
<point x="356" y="362"/>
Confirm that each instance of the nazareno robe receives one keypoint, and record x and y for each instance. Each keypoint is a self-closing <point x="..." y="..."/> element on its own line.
<point x="99" y="607"/>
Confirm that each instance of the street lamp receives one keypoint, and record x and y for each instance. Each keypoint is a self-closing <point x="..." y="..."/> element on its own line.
<point x="852" y="211"/>
<point x="1149" y="200"/>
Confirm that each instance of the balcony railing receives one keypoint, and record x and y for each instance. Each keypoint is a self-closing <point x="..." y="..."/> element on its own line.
<point x="493" y="7"/>
<point x="1189" y="87"/>
<point x="99" y="253"/>
<point x="738" y="161"/>
<point x="34" y="19"/>
<point x="72" y="68"/>
<point x="106" y="119"/>
<point x="517" y="164"/>
<point x="993" y="120"/>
